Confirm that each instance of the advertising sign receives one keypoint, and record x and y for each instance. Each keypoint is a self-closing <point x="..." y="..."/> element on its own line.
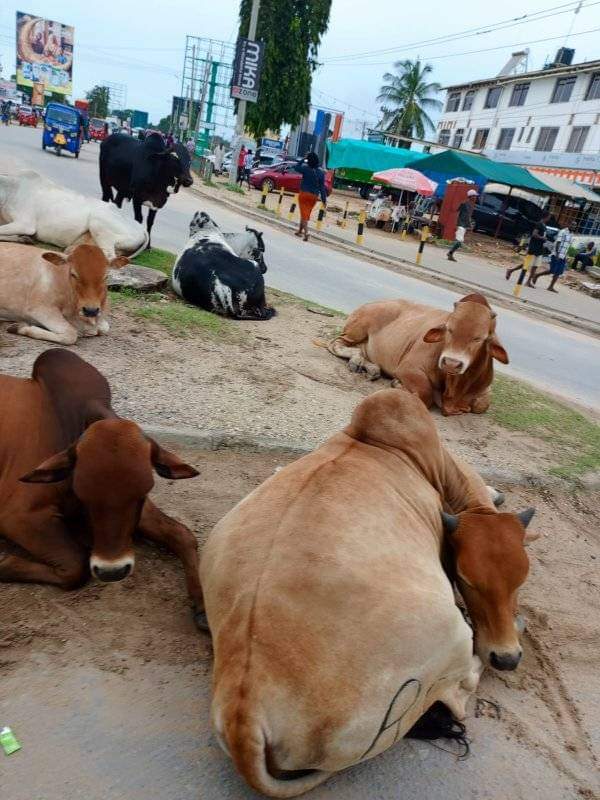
<point x="44" y="53"/>
<point x="247" y="67"/>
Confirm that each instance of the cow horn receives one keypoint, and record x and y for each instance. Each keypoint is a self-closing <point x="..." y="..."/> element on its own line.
<point x="450" y="522"/>
<point x="526" y="516"/>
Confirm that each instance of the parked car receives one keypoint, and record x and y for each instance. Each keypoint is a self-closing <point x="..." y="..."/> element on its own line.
<point x="518" y="215"/>
<point x="285" y="175"/>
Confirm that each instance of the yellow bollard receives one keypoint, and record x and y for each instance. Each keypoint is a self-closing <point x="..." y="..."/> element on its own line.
<point x="404" y="231"/>
<point x="345" y="215"/>
<point x="424" y="237"/>
<point x="361" y="227"/>
<point x="279" y="202"/>
<point x="320" y="216"/>
<point x="265" y="192"/>
<point x="293" y="208"/>
<point x="526" y="264"/>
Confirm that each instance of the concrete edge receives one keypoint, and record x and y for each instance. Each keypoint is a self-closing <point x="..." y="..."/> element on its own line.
<point x="216" y="440"/>
<point x="411" y="269"/>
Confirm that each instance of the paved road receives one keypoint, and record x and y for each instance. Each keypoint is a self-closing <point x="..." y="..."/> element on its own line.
<point x="567" y="362"/>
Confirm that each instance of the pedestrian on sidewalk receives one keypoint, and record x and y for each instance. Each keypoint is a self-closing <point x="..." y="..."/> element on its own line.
<point x="248" y="164"/>
<point x="535" y="248"/>
<point x="558" y="259"/>
<point x="240" y="166"/>
<point x="463" y="222"/>
<point x="585" y="256"/>
<point x="312" y="187"/>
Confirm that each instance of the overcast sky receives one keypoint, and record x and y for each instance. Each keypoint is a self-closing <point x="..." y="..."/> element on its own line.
<point x="140" y="43"/>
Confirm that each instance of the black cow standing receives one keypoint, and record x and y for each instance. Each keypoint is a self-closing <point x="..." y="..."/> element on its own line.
<point x="145" y="172"/>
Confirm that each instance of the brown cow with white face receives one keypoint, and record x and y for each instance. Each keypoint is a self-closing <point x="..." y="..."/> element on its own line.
<point x="443" y="357"/>
<point x="74" y="490"/>
<point x="55" y="296"/>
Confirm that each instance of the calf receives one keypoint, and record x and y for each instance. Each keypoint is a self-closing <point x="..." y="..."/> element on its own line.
<point x="444" y="357"/>
<point x="55" y="296"/>
<point x="143" y="171"/>
<point x="74" y="490"/>
<point x="209" y="274"/>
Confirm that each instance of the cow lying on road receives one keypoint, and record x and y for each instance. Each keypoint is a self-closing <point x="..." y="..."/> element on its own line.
<point x="75" y="480"/>
<point x="55" y="296"/>
<point x="33" y="207"/>
<point x="444" y="357"/>
<point x="145" y="172"/>
<point x="333" y="621"/>
<point x="209" y="274"/>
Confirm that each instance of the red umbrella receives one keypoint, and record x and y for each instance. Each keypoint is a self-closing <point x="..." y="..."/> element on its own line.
<point x="409" y="180"/>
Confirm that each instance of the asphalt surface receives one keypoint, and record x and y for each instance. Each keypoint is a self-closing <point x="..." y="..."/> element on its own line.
<point x="557" y="359"/>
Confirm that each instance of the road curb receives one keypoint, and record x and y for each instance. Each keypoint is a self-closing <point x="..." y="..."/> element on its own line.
<point x="216" y="440"/>
<point x="411" y="269"/>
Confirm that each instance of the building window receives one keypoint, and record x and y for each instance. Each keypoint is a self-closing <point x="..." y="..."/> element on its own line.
<point x="593" y="92"/>
<point x="562" y="90"/>
<point x="546" y="139"/>
<point x="468" y="134"/>
<point x="444" y="137"/>
<point x="458" y="137"/>
<point x="519" y="94"/>
<point x="505" y="139"/>
<point x="529" y="135"/>
<point x="521" y="132"/>
<point x="493" y="96"/>
<point x="468" y="101"/>
<point x="481" y="137"/>
<point x="453" y="101"/>
<point x="577" y="139"/>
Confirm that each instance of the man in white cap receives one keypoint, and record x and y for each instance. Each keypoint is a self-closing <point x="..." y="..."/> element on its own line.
<point x="463" y="222"/>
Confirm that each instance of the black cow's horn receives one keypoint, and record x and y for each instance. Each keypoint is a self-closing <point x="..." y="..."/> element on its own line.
<point x="526" y="516"/>
<point x="450" y="522"/>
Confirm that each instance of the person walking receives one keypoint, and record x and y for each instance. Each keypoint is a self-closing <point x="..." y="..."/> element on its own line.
<point x="240" y="165"/>
<point x="312" y="187"/>
<point x="248" y="164"/>
<point x="535" y="248"/>
<point x="558" y="259"/>
<point x="463" y="222"/>
<point x="190" y="146"/>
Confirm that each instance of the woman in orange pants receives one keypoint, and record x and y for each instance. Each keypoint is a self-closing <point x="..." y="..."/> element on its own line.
<point x="311" y="188"/>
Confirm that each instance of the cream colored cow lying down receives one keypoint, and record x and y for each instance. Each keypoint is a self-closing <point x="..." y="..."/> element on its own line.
<point x="334" y="623"/>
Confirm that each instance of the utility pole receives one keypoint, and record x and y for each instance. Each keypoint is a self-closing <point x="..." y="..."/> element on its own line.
<point x="241" y="112"/>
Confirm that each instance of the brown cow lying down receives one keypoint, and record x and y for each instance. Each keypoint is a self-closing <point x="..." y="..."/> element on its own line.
<point x="444" y="357"/>
<point x="75" y="479"/>
<point x="334" y="624"/>
<point x="55" y="296"/>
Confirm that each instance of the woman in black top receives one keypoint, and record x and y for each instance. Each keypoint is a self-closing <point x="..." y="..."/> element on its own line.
<point x="312" y="186"/>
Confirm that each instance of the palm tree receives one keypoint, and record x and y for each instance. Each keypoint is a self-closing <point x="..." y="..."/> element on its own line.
<point x="407" y="98"/>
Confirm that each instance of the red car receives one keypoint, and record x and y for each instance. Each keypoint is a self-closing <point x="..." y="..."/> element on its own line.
<point x="27" y="116"/>
<point x="285" y="175"/>
<point x="96" y="129"/>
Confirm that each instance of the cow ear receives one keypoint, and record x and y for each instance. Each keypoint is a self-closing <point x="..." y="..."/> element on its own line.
<point x="53" y="469"/>
<point x="168" y="465"/>
<point x="54" y="258"/>
<point x="497" y="351"/>
<point x="435" y="334"/>
<point x="118" y="262"/>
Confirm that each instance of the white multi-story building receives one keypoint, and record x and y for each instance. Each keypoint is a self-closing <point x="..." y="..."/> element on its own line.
<point x="549" y="118"/>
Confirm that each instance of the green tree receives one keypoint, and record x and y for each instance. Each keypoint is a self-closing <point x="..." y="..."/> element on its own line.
<point x="165" y="124"/>
<point x="407" y="97"/>
<point x="292" y="31"/>
<point x="98" y="98"/>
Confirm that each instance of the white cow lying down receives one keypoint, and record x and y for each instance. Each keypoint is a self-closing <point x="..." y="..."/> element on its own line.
<point x="33" y="207"/>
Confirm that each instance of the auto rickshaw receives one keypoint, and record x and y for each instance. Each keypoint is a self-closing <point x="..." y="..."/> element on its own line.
<point x="27" y="116"/>
<point x="97" y="129"/>
<point x="63" y="128"/>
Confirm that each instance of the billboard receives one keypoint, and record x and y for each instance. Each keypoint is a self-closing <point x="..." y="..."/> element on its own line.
<point x="44" y="53"/>
<point x="247" y="67"/>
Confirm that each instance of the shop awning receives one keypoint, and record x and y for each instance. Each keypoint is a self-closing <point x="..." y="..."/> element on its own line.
<point x="452" y="164"/>
<point x="368" y="156"/>
<point x="566" y="187"/>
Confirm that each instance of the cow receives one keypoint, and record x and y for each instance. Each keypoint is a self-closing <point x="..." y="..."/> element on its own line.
<point x="54" y="296"/>
<point x="334" y="623"/>
<point x="444" y="357"/>
<point x="74" y="490"/>
<point x="145" y="172"/>
<point x="209" y="274"/>
<point x="249" y="245"/>
<point x="35" y="208"/>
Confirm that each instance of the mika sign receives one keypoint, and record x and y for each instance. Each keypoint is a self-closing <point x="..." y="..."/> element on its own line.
<point x="247" y="67"/>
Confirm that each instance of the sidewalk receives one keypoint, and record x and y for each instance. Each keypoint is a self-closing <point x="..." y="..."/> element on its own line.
<point x="470" y="273"/>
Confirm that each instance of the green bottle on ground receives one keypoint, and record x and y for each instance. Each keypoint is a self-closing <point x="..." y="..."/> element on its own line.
<point x="8" y="741"/>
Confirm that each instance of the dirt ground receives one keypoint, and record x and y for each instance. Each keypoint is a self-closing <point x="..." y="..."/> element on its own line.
<point x="108" y="687"/>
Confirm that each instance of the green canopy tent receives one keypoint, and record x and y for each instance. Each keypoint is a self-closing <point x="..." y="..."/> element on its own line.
<point x="357" y="160"/>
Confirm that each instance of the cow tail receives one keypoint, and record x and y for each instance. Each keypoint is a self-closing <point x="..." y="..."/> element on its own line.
<point x="248" y="747"/>
<point x="337" y="347"/>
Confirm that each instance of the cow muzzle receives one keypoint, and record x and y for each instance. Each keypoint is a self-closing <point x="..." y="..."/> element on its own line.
<point x="505" y="661"/>
<point x="110" y="571"/>
<point x="452" y="364"/>
<point x="90" y="311"/>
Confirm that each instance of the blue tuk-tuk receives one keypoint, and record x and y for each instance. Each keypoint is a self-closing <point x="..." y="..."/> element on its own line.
<point x="62" y="129"/>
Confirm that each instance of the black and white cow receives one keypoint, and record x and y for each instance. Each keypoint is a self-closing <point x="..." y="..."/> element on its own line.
<point x="209" y="274"/>
<point x="249" y="244"/>
<point x="145" y="172"/>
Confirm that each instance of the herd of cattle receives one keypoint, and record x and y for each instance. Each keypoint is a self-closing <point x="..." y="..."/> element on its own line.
<point x="329" y="591"/>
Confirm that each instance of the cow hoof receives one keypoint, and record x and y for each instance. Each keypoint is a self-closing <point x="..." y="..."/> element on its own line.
<point x="13" y="328"/>
<point x="354" y="366"/>
<point x="201" y="621"/>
